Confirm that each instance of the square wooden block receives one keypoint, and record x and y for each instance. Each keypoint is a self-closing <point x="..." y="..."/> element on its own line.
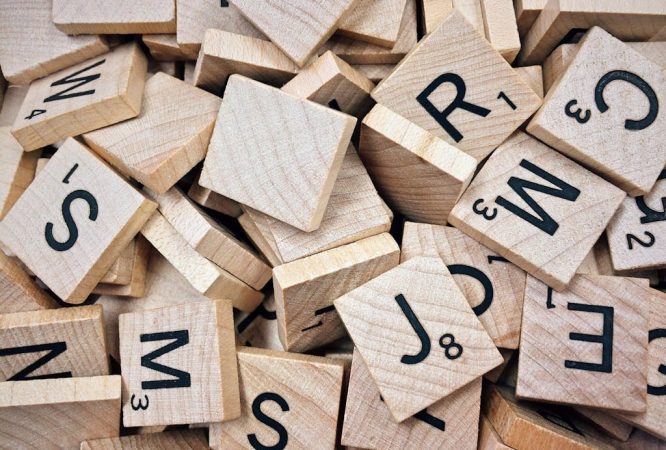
<point x="538" y="209"/>
<point x="179" y="365"/>
<point x="19" y="290"/>
<point x="457" y="87"/>
<point x="74" y="221"/>
<point x="277" y="408"/>
<point x="604" y="113"/>
<point x="276" y="165"/>
<point x="417" y="334"/>
<point x="588" y="345"/>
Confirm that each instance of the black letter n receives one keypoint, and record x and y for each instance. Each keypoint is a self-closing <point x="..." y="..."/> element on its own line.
<point x="80" y="81"/>
<point x="182" y="378"/>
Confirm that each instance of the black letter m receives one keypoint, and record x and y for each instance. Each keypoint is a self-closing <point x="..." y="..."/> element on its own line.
<point x="182" y="378"/>
<point x="80" y="81"/>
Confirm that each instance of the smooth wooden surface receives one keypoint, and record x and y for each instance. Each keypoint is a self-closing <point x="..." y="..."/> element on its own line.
<point x="73" y="409"/>
<point x="173" y="440"/>
<point x="74" y="255"/>
<point x="457" y="48"/>
<point x="496" y="292"/>
<point x="409" y="367"/>
<point x="168" y="137"/>
<point x="259" y="328"/>
<point x="576" y="217"/>
<point x="212" y="200"/>
<point x="374" y="21"/>
<point x="433" y="13"/>
<point x="499" y="19"/>
<point x="602" y="141"/>
<point x="17" y="169"/>
<point x="306" y="413"/>
<point x="418" y="174"/>
<point x="306" y="288"/>
<point x="19" y="291"/>
<point x="205" y="349"/>
<point x="112" y="93"/>
<point x="136" y="286"/>
<point x="298" y="165"/>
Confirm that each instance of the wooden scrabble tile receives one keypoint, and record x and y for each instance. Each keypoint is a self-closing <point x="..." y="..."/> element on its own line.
<point x="613" y="427"/>
<point x="397" y="318"/>
<point x="260" y="327"/>
<point x="450" y="423"/>
<point x="53" y="343"/>
<point x="174" y="440"/>
<point x="164" y="47"/>
<point x="354" y="211"/>
<point x="211" y="239"/>
<point x="88" y="96"/>
<point x="332" y="82"/>
<point x="606" y="138"/>
<point x="32" y="47"/>
<point x="17" y="169"/>
<point x="629" y="21"/>
<point x="433" y="13"/>
<point x="297" y="28"/>
<point x="59" y="413"/>
<point x="374" y="21"/>
<point x="533" y="76"/>
<point x="493" y="286"/>
<point x="472" y="11"/>
<point x="418" y="174"/>
<point x="499" y="18"/>
<point x="544" y="238"/>
<point x="196" y="378"/>
<point x="527" y="12"/>
<point x="305" y="289"/>
<point x="212" y="200"/>
<point x="70" y="248"/>
<point x="136" y="286"/>
<point x="294" y="181"/>
<point x="19" y="291"/>
<point x="488" y="437"/>
<point x="11" y="104"/>
<point x="375" y="72"/>
<point x="167" y="139"/>
<point x="491" y="99"/>
<point x="586" y="346"/>
<point x="114" y="17"/>
<point x="204" y="275"/>
<point x="272" y="402"/>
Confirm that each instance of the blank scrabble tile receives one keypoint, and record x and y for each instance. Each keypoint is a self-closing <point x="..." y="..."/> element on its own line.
<point x="450" y="423"/>
<point x="419" y="175"/>
<point x="73" y="409"/>
<point x="536" y="208"/>
<point x="136" y="286"/>
<point x="259" y="328"/>
<point x="499" y="18"/>
<point x="91" y="95"/>
<point x="306" y="288"/>
<point x="164" y="47"/>
<point x="276" y="408"/>
<point x="32" y="47"/>
<point x="457" y="87"/>
<point x="299" y="27"/>
<point x="332" y="82"/>
<point x="588" y="345"/>
<point x="493" y="286"/>
<point x="19" y="291"/>
<point x="212" y="200"/>
<point x="527" y="12"/>
<point x="611" y="426"/>
<point x="354" y="211"/>
<point x="294" y="180"/>
<point x="582" y="116"/>
<point x="224" y="53"/>
<point x="17" y="169"/>
<point x="74" y="221"/>
<point x="196" y="378"/>
<point x="374" y="21"/>
<point x="114" y="16"/>
<point x="395" y="321"/>
<point x="433" y="13"/>
<point x="174" y="440"/>
<point x="56" y="343"/>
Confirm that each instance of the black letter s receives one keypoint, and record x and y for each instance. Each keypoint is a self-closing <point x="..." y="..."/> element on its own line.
<point x="274" y="424"/>
<point x="69" y="220"/>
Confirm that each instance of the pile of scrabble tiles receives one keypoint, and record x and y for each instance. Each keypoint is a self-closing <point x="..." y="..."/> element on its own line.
<point x="322" y="224"/>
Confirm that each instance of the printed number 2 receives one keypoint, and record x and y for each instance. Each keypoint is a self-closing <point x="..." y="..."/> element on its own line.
<point x="632" y="238"/>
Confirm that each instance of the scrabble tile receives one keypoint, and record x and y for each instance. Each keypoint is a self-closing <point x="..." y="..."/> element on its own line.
<point x="527" y="12"/>
<point x="223" y="54"/>
<point x="298" y="28"/>
<point x="375" y="72"/>
<point x="499" y="18"/>
<point x="19" y="291"/>
<point x="164" y="47"/>
<point x="374" y="21"/>
<point x="17" y="170"/>
<point x="433" y="13"/>
<point x="274" y="403"/>
<point x="259" y="328"/>
<point x="11" y="104"/>
<point x="136" y="286"/>
<point x="614" y="145"/>
<point x="629" y="21"/>
<point x="419" y="175"/>
<point x="450" y="423"/>
<point x="196" y="370"/>
<point x="332" y="82"/>
<point x="544" y="237"/>
<point x="611" y="426"/>
<point x="488" y="437"/>
<point x="70" y="248"/>
<point x="114" y="17"/>
<point x="204" y="275"/>
<point x="57" y="343"/>
<point x="293" y="183"/>
<point x="393" y="321"/>
<point x="305" y="289"/>
<point x="635" y="233"/>
<point x="592" y="335"/>
<point x="59" y="413"/>
<point x="472" y="11"/>
<point x="354" y="211"/>
<point x="88" y="96"/>
<point x="174" y="440"/>
<point x="32" y="47"/>
<point x="533" y="76"/>
<point x="212" y="200"/>
<point x="491" y="99"/>
<point x="493" y="286"/>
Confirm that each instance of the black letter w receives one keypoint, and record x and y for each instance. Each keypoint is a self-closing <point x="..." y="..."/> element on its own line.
<point x="69" y="79"/>
<point x="182" y="379"/>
